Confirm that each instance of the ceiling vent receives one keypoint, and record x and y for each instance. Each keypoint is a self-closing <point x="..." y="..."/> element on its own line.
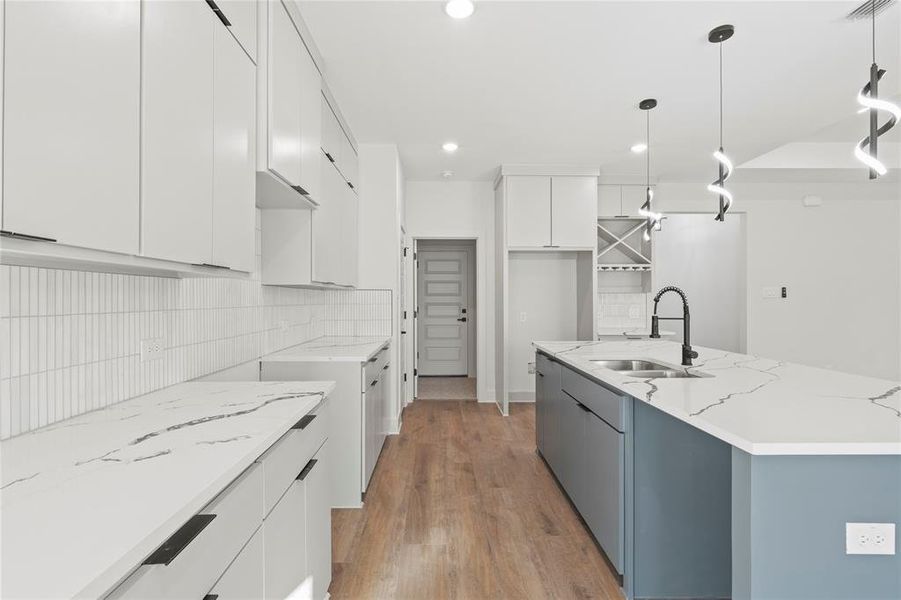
<point x="866" y="10"/>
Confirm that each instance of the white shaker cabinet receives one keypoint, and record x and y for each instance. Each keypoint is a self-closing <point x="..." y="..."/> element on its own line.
<point x="529" y="211"/>
<point x="177" y="148"/>
<point x="72" y="123"/>
<point x="234" y="119"/>
<point x="574" y="202"/>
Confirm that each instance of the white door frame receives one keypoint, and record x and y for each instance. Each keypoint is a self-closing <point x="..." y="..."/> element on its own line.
<point x="479" y="331"/>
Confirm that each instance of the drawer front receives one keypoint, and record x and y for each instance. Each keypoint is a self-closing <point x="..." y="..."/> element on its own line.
<point x="245" y="577"/>
<point x="376" y="364"/>
<point x="287" y="457"/>
<point x="193" y="568"/>
<point x="608" y="405"/>
<point x="542" y="362"/>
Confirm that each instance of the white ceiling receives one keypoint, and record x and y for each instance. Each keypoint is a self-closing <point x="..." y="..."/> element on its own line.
<point x="559" y="82"/>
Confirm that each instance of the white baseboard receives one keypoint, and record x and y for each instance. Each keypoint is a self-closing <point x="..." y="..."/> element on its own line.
<point x="525" y="396"/>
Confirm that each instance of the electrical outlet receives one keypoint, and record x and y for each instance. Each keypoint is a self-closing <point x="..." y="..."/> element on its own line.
<point x="152" y="349"/>
<point x="869" y="538"/>
<point x="771" y="292"/>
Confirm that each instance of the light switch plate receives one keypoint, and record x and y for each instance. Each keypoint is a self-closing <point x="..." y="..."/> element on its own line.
<point x="152" y="349"/>
<point x="772" y="292"/>
<point x="869" y="538"/>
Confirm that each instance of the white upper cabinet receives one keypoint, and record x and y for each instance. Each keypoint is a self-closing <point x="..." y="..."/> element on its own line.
<point x="177" y="156"/>
<point x="293" y="120"/>
<point x="616" y="200"/>
<point x="528" y="211"/>
<point x="71" y="145"/>
<point x="242" y="18"/>
<point x="574" y="202"/>
<point x="551" y="212"/>
<point x="311" y="127"/>
<point x="285" y="94"/>
<point x="350" y="233"/>
<point x="234" y="119"/>
<point x="337" y="147"/>
<point x="327" y="228"/>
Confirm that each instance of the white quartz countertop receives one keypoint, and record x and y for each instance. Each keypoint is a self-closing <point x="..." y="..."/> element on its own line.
<point x="86" y="500"/>
<point x="331" y="348"/>
<point x="759" y="405"/>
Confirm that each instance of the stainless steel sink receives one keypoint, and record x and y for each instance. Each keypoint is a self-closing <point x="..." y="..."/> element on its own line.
<point x="632" y="365"/>
<point x="663" y="374"/>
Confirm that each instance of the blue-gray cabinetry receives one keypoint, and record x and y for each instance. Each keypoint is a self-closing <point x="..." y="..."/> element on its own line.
<point x="580" y="432"/>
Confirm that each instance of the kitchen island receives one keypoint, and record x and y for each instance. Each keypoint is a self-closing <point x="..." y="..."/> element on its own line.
<point x="736" y="482"/>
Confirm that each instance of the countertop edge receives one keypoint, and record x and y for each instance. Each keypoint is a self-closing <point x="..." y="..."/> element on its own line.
<point x="279" y="357"/>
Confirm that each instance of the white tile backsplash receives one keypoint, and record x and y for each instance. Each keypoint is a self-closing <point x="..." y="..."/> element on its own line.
<point x="70" y="341"/>
<point x="623" y="310"/>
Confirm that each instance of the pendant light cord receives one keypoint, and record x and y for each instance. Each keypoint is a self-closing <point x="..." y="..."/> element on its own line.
<point x="648" y="138"/>
<point x="874" y="29"/>
<point x="721" y="93"/>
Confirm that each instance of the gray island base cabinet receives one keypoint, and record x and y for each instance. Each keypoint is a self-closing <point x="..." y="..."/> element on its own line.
<point x="685" y="513"/>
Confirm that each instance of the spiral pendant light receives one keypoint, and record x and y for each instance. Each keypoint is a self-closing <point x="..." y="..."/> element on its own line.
<point x="868" y="97"/>
<point x="652" y="219"/>
<point x="718" y="35"/>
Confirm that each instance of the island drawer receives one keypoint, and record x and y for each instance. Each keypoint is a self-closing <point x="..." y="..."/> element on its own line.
<point x="603" y="402"/>
<point x="376" y="364"/>
<point x="195" y="556"/>
<point x="284" y="460"/>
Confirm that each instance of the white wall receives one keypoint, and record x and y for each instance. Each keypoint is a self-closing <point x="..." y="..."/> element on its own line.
<point x="708" y="261"/>
<point x="543" y="289"/>
<point x="381" y="243"/>
<point x="840" y="262"/>
<point x="462" y="209"/>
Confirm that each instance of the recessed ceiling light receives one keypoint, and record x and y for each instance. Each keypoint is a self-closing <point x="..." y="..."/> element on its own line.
<point x="447" y="174"/>
<point x="459" y="9"/>
<point x="639" y="148"/>
<point x="449" y="147"/>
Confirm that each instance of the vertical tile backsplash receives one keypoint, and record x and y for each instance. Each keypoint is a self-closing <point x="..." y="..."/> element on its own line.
<point x="70" y="341"/>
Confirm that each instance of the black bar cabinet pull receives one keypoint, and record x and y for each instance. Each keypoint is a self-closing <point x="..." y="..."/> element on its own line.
<point x="179" y="540"/>
<point x="219" y="13"/>
<point x="302" y="424"/>
<point x="306" y="470"/>
<point x="26" y="236"/>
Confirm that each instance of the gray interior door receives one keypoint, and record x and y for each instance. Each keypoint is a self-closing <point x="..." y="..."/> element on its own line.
<point x="442" y="282"/>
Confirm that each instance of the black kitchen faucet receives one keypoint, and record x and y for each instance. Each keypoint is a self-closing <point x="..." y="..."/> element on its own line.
<point x="687" y="352"/>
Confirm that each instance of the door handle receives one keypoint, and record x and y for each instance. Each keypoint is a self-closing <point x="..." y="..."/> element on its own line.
<point x="462" y="319"/>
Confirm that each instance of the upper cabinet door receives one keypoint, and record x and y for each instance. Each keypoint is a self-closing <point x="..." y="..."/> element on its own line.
<point x="529" y="211"/>
<point x="233" y="147"/>
<point x="327" y="228"/>
<point x="574" y="209"/>
<point x="242" y="14"/>
<point x="177" y="157"/>
<point x="72" y="122"/>
<point x="331" y="133"/>
<point x="311" y="127"/>
<point x="286" y="73"/>
<point x="350" y="238"/>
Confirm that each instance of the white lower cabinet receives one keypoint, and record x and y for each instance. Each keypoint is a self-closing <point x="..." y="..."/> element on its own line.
<point x="245" y="577"/>
<point x="267" y="535"/>
<point x="285" y="548"/>
<point x="357" y="426"/>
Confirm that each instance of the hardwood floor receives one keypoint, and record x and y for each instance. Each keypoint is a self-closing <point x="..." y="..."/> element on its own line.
<point x="461" y="506"/>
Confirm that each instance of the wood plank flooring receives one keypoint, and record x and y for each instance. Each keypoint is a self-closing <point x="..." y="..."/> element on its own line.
<point x="461" y="506"/>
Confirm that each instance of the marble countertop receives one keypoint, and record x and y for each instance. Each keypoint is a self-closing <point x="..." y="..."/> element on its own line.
<point x="84" y="501"/>
<point x="627" y="332"/>
<point x="331" y="348"/>
<point x="759" y="405"/>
